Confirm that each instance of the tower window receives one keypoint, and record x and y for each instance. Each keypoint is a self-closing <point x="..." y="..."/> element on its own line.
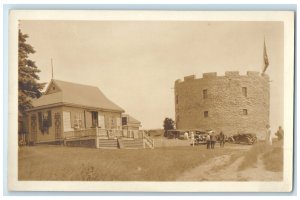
<point x="244" y="90"/>
<point x="176" y="99"/>
<point x="245" y="112"/>
<point x="205" y="113"/>
<point x="205" y="94"/>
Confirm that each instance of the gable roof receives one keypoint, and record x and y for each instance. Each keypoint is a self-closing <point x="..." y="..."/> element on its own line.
<point x="76" y="94"/>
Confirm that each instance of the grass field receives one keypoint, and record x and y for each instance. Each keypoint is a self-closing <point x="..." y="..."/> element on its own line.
<point x="161" y="164"/>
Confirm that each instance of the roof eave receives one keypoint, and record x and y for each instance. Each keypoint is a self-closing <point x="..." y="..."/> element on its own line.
<point x="74" y="105"/>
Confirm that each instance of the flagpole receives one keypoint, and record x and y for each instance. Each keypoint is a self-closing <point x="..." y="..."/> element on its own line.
<point x="265" y="56"/>
<point x="52" y="67"/>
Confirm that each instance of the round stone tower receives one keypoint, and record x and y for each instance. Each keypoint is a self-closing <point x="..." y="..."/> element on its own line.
<point x="232" y="103"/>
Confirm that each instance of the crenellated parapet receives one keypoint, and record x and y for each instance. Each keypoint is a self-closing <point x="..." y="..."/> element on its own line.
<point x="214" y="75"/>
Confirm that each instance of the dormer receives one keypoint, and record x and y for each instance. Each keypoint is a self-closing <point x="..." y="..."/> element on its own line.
<point x="52" y="88"/>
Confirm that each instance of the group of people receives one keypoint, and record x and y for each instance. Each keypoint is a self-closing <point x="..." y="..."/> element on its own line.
<point x="269" y="138"/>
<point x="211" y="139"/>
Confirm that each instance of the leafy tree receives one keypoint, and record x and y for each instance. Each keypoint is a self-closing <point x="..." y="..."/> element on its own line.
<point x="29" y="88"/>
<point x="169" y="124"/>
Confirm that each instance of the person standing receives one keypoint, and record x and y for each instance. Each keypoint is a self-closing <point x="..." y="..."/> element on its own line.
<point x="192" y="139"/>
<point x="268" y="139"/>
<point x="208" y="141"/>
<point x="186" y="135"/>
<point x="280" y="133"/>
<point x="222" y="139"/>
<point x="213" y="139"/>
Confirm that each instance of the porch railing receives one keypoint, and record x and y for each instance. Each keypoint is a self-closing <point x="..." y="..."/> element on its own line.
<point x="107" y="133"/>
<point x="80" y="133"/>
<point x="148" y="141"/>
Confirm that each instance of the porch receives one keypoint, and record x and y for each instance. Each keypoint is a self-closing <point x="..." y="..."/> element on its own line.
<point x="107" y="138"/>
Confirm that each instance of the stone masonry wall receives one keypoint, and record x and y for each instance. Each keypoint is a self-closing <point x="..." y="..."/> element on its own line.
<point x="226" y="103"/>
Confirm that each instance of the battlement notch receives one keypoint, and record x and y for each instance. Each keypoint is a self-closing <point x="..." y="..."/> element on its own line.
<point x="232" y="73"/>
<point x="209" y="75"/>
<point x="252" y="73"/>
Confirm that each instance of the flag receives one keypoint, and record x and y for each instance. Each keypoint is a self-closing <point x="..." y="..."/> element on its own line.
<point x="266" y="60"/>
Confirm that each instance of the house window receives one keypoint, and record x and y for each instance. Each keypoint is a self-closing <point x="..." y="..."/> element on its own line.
<point x="45" y="121"/>
<point x="124" y="121"/>
<point x="176" y="99"/>
<point x="78" y="120"/>
<point x="245" y="112"/>
<point x="205" y="113"/>
<point x="244" y="91"/>
<point x="205" y="94"/>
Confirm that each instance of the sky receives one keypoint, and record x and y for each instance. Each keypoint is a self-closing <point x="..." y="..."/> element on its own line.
<point x="135" y="63"/>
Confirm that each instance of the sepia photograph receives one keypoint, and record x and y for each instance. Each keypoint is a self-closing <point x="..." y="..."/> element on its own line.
<point x="151" y="101"/>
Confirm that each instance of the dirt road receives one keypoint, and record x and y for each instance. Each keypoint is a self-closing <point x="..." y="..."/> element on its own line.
<point x="226" y="168"/>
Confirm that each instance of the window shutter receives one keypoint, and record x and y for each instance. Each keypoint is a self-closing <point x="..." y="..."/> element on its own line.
<point x="67" y="121"/>
<point x="72" y="119"/>
<point x="119" y="123"/>
<point x="40" y="121"/>
<point x="107" y="122"/>
<point x="49" y="119"/>
<point x="101" y="121"/>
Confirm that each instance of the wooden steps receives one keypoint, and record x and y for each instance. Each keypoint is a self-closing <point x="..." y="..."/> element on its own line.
<point x="108" y="143"/>
<point x="131" y="143"/>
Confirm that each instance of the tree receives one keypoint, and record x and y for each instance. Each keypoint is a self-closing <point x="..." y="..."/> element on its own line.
<point x="29" y="88"/>
<point x="169" y="124"/>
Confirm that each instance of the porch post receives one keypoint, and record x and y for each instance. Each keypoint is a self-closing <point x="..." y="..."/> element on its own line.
<point x="96" y="138"/>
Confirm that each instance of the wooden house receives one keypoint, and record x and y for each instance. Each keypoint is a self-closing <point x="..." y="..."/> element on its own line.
<point x="76" y="115"/>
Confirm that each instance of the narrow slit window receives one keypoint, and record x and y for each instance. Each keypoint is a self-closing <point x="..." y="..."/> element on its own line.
<point x="205" y="113"/>
<point x="205" y="94"/>
<point x="176" y="99"/>
<point x="245" y="112"/>
<point x="244" y="90"/>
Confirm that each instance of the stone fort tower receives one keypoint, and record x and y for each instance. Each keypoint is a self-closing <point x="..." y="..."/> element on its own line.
<point x="232" y="103"/>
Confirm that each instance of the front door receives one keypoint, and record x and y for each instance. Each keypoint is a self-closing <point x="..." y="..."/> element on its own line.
<point x="57" y="120"/>
<point x="94" y="119"/>
<point x="33" y="126"/>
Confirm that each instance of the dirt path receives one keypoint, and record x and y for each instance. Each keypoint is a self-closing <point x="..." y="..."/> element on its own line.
<point x="224" y="168"/>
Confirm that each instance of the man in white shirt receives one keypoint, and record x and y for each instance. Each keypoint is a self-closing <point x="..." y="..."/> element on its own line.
<point x="208" y="141"/>
<point x="268" y="139"/>
<point x="192" y="138"/>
